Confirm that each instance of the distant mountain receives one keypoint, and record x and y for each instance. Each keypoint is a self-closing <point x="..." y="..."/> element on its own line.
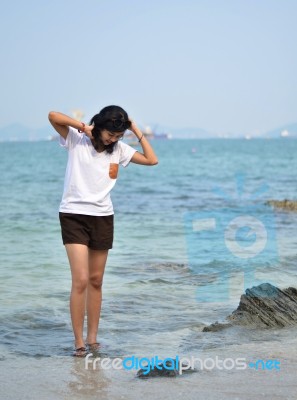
<point x="289" y="130"/>
<point x="19" y="132"/>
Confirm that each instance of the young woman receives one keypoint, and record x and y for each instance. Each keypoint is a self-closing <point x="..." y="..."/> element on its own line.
<point x="86" y="212"/>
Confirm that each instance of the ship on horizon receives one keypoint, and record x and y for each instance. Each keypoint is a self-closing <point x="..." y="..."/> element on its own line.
<point x="149" y="133"/>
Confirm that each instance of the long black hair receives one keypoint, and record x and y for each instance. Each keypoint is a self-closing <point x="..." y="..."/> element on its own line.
<point x="112" y="118"/>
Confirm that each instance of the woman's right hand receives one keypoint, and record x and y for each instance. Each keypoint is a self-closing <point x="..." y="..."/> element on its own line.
<point x="88" y="131"/>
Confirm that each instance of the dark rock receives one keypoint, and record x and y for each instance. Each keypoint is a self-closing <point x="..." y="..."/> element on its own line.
<point x="217" y="326"/>
<point x="170" y="371"/>
<point x="290" y="205"/>
<point x="263" y="306"/>
<point x="157" y="372"/>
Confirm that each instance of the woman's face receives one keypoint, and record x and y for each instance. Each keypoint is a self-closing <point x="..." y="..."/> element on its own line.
<point x="109" y="137"/>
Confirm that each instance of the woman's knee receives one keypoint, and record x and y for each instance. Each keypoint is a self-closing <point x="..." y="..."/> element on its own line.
<point x="80" y="284"/>
<point x="96" y="282"/>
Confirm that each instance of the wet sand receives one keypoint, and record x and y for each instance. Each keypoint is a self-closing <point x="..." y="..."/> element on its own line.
<point x="66" y="378"/>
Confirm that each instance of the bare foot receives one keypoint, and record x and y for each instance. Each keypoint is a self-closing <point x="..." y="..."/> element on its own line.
<point x="80" y="352"/>
<point x="94" y="346"/>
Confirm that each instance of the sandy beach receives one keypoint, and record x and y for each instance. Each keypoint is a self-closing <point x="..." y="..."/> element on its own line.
<point x="66" y="378"/>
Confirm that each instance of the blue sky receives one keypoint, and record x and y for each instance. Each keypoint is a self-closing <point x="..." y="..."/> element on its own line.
<point x="222" y="65"/>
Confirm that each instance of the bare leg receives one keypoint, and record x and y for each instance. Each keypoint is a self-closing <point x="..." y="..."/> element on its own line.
<point x="78" y="260"/>
<point x="97" y="261"/>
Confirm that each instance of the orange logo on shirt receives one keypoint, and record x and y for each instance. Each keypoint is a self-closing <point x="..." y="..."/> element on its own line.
<point x="113" y="170"/>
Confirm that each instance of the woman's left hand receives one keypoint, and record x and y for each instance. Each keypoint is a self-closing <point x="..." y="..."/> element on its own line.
<point x="134" y="128"/>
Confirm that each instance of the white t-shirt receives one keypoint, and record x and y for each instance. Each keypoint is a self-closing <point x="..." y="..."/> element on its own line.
<point x="90" y="175"/>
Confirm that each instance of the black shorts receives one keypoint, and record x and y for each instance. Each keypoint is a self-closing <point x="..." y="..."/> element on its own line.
<point x="96" y="232"/>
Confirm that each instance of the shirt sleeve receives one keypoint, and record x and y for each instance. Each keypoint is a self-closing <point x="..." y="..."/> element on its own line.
<point x="73" y="137"/>
<point x="126" y="153"/>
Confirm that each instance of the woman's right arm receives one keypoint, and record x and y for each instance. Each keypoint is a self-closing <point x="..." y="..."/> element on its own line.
<point x="61" y="123"/>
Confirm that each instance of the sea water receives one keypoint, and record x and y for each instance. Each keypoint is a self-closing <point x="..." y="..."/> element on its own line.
<point x="160" y="286"/>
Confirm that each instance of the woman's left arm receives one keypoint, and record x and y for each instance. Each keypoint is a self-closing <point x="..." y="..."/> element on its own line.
<point x="148" y="157"/>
